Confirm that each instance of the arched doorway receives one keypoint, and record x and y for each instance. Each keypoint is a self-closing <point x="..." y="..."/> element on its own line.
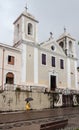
<point x="10" y="78"/>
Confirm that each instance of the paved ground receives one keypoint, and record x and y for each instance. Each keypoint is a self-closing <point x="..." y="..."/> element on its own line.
<point x="31" y="120"/>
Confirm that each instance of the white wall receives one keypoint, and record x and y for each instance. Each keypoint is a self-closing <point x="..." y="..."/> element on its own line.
<point x="17" y="100"/>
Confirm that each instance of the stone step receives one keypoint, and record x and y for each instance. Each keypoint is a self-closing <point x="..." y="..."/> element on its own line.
<point x="58" y="124"/>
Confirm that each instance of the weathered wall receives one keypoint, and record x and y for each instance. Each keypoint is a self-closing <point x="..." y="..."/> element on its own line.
<point x="11" y="100"/>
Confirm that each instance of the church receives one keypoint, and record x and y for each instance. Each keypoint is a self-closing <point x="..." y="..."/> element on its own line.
<point x="50" y="66"/>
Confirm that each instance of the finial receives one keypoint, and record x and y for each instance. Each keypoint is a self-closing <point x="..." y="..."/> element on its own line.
<point x="64" y="29"/>
<point x="26" y="7"/>
<point x="51" y="34"/>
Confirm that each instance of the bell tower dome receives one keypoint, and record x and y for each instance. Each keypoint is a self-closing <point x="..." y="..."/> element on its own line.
<point x="25" y="28"/>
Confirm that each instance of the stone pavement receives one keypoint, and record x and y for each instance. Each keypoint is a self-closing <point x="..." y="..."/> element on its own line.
<point x="30" y="120"/>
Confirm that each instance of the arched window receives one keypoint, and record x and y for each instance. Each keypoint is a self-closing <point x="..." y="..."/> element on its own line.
<point x="17" y="28"/>
<point x="61" y="44"/>
<point x="30" y="29"/>
<point x="10" y="78"/>
<point x="70" y="45"/>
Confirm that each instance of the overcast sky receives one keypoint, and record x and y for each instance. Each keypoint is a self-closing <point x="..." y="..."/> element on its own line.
<point x="52" y="15"/>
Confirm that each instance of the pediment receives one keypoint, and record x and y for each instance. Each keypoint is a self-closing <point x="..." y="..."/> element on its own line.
<point x="53" y="46"/>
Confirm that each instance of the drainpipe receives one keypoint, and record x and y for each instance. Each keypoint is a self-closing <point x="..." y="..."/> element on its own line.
<point x="3" y="70"/>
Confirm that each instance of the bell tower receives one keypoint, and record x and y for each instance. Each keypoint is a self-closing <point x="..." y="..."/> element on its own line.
<point x="25" y="28"/>
<point x="67" y="43"/>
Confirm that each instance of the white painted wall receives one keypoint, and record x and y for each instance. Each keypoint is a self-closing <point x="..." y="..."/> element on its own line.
<point x="36" y="65"/>
<point x="76" y="76"/>
<point x="23" y="32"/>
<point x="68" y="73"/>
<point x="23" y="65"/>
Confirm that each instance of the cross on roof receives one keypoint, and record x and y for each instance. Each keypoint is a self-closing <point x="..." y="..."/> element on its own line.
<point x="26" y="7"/>
<point x="64" y="29"/>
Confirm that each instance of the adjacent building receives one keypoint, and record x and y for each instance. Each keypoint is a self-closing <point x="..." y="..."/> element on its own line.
<point x="10" y="66"/>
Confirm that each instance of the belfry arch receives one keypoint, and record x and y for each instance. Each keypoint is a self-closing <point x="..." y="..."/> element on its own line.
<point x="30" y="29"/>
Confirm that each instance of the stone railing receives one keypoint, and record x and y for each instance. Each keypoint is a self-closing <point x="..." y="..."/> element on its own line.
<point x="37" y="88"/>
<point x="24" y="87"/>
<point x="67" y="91"/>
<point x="8" y="87"/>
<point x="11" y="87"/>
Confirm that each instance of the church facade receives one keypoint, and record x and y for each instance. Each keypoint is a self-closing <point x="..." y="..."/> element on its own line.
<point x="51" y="65"/>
